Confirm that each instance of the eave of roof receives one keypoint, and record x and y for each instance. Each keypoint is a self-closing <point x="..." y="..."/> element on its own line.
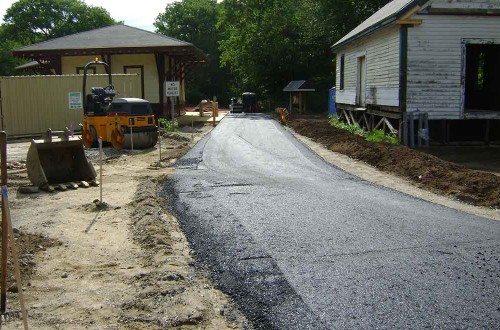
<point x="114" y="39"/>
<point x="191" y="54"/>
<point x="299" y="86"/>
<point x="29" y="65"/>
<point x="387" y="15"/>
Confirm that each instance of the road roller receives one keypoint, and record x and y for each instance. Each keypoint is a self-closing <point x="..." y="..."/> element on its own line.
<point x="123" y="122"/>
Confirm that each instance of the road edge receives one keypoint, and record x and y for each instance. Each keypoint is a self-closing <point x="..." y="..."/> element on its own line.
<point x="391" y="181"/>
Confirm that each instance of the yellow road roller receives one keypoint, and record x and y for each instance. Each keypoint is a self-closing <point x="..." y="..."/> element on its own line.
<point x="123" y="122"/>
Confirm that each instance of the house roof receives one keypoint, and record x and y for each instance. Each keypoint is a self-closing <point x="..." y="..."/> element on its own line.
<point x="385" y="16"/>
<point x="115" y="39"/>
<point x="299" y="86"/>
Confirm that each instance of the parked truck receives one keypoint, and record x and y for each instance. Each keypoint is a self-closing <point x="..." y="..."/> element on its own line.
<point x="247" y="103"/>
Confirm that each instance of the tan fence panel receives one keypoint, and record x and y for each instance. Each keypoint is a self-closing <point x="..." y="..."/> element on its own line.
<point x="31" y="104"/>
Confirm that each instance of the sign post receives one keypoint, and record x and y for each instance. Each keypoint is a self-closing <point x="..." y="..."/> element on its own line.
<point x="172" y="90"/>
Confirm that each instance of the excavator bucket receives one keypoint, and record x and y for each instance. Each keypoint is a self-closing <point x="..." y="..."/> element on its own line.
<point x="58" y="161"/>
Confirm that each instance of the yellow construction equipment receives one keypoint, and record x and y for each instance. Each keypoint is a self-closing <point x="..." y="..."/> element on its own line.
<point x="59" y="160"/>
<point x="124" y="122"/>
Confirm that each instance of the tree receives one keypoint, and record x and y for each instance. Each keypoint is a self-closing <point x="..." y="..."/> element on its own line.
<point x="261" y="43"/>
<point x="7" y="61"/>
<point x="267" y="43"/>
<point x="30" y="21"/>
<point x="194" y="21"/>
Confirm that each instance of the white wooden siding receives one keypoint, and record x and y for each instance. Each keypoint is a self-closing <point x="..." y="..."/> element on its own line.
<point x="435" y="61"/>
<point x="465" y="4"/>
<point x="382" y="69"/>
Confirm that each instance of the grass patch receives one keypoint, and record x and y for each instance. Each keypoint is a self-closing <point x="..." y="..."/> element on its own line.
<point x="371" y="136"/>
<point x="335" y="121"/>
<point x="379" y="135"/>
<point x="168" y="125"/>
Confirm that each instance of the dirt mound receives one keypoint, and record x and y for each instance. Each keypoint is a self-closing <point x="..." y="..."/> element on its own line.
<point x="171" y="296"/>
<point x="28" y="245"/>
<point x="427" y="171"/>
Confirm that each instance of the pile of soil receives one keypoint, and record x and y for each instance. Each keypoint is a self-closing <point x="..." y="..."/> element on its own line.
<point x="426" y="171"/>
<point x="27" y="246"/>
<point x="170" y="296"/>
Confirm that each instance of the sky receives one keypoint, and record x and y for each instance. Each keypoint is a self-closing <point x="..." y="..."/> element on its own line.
<point x="140" y="14"/>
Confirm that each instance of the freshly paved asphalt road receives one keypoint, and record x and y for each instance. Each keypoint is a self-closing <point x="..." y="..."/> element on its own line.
<point x="300" y="244"/>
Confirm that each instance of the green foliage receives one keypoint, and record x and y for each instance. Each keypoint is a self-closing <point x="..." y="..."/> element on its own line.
<point x="194" y="21"/>
<point x="379" y="135"/>
<point x="168" y="125"/>
<point x="335" y="121"/>
<point x="372" y="136"/>
<point x="32" y="21"/>
<point x="267" y="43"/>
<point x="7" y="61"/>
<point x="260" y="44"/>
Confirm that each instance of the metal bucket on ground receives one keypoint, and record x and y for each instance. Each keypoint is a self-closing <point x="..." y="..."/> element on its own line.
<point x="59" y="158"/>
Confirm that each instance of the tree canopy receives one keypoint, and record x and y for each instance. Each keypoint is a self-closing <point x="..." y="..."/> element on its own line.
<point x="262" y="43"/>
<point x="194" y="21"/>
<point x="267" y="43"/>
<point x="31" y="21"/>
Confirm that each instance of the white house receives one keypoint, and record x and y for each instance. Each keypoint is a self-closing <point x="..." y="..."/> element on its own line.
<point x="434" y="59"/>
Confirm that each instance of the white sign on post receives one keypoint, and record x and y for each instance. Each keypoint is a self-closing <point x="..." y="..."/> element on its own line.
<point x="172" y="88"/>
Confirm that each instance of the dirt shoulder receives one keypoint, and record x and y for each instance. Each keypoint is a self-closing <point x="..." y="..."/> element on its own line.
<point x="401" y="168"/>
<point x="124" y="264"/>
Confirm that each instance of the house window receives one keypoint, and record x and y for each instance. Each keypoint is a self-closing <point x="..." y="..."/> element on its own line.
<point x="341" y="72"/>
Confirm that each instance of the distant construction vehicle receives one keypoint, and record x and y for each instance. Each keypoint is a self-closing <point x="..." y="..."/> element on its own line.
<point x="123" y="122"/>
<point x="248" y="103"/>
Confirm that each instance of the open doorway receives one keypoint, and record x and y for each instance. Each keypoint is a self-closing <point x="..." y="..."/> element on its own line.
<point x="482" y="77"/>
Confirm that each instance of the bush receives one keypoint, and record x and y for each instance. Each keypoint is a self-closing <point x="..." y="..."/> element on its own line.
<point x="377" y="135"/>
<point x="168" y="125"/>
<point x="335" y="121"/>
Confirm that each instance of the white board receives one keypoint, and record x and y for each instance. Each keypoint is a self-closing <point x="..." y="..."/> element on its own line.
<point x="172" y="88"/>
